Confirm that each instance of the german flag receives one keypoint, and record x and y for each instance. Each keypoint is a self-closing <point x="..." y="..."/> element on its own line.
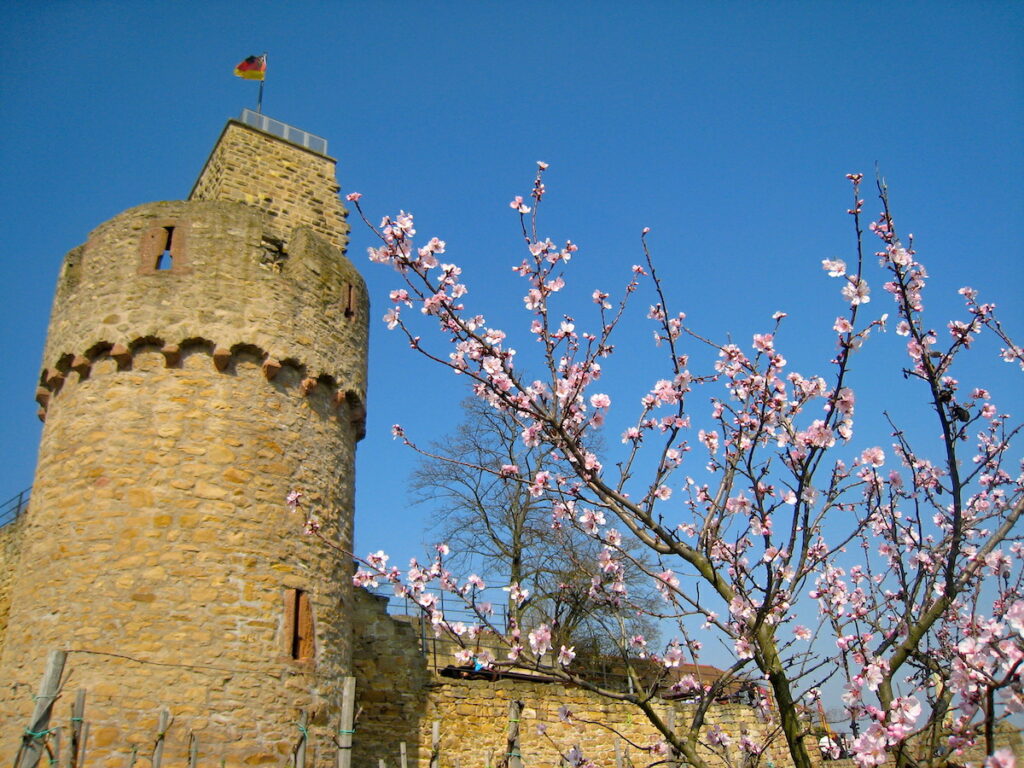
<point x="253" y="68"/>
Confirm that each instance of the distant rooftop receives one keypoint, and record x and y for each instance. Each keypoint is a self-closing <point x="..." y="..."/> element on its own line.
<point x="284" y="131"/>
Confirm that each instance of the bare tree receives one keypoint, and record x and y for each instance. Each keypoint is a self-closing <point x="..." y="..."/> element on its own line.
<point x="501" y="531"/>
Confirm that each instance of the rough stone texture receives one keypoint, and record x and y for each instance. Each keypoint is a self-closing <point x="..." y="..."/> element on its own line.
<point x="309" y="308"/>
<point x="401" y="696"/>
<point x="295" y="186"/>
<point x="181" y="405"/>
<point x="10" y="549"/>
<point x="391" y="683"/>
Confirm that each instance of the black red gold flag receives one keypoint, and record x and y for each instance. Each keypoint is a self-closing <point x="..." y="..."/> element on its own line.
<point x="253" y="68"/>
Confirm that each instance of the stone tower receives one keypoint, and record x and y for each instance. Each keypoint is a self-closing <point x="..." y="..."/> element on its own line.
<point x="204" y="358"/>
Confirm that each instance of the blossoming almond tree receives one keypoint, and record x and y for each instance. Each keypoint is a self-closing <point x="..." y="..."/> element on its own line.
<point x="914" y="561"/>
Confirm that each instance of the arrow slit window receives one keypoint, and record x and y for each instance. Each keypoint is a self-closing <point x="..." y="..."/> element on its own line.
<point x="162" y="248"/>
<point x="298" y="625"/>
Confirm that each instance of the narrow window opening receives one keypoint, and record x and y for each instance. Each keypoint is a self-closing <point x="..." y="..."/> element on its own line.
<point x="350" y="305"/>
<point x="165" y="260"/>
<point x="299" y="624"/>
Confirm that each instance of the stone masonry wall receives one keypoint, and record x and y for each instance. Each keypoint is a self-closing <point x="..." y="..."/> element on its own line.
<point x="401" y="698"/>
<point x="204" y="358"/>
<point x="296" y="187"/>
<point x="158" y="551"/>
<point x="391" y="684"/>
<point x="474" y="717"/>
<point x="308" y="306"/>
<point x="10" y="549"/>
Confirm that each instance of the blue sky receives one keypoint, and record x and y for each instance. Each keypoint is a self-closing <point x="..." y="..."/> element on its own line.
<point x="725" y="127"/>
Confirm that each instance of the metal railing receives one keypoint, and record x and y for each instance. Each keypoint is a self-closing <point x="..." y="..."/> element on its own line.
<point x="11" y="509"/>
<point x="289" y="133"/>
<point x="453" y="608"/>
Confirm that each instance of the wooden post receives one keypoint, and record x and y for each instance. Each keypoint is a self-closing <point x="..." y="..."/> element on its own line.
<point x="84" y="744"/>
<point x="35" y="735"/>
<point x="435" y="744"/>
<point x="161" y="733"/>
<point x="670" y="719"/>
<point x="381" y="763"/>
<point x="346" y="729"/>
<point x="401" y="755"/>
<point x="193" y="749"/>
<point x="75" y="737"/>
<point x="55" y="749"/>
<point x="134" y="757"/>
<point x="299" y="753"/>
<point x="513" y="758"/>
<point x="618" y="753"/>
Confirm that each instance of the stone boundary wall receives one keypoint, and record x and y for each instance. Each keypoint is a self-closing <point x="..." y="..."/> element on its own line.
<point x="401" y="697"/>
<point x="474" y="716"/>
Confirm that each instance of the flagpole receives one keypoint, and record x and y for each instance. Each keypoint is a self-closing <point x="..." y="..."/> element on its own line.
<point x="259" y="99"/>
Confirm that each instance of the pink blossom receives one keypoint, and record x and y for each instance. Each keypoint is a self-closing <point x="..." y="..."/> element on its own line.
<point x="377" y="560"/>
<point x="1001" y="758"/>
<point x="516" y="593"/>
<point x="763" y="342"/>
<point x="540" y="639"/>
<point x="600" y="401"/>
<point x="1015" y="617"/>
<point x="873" y="456"/>
<point x="869" y="747"/>
<point x="738" y="505"/>
<point x="743" y="648"/>
<point x="566" y="655"/>
<point x="818" y="434"/>
<point x="591" y="520"/>
<point x="856" y="291"/>
<point x="718" y="737"/>
<point x="353" y="197"/>
<point x="539" y="483"/>
<point x="834" y="267"/>
<point x="873" y="674"/>
<point x="517" y="205"/>
<point x="673" y="656"/>
<point x="475" y="581"/>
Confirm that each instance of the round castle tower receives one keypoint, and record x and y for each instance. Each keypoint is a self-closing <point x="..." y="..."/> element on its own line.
<point x="204" y="358"/>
